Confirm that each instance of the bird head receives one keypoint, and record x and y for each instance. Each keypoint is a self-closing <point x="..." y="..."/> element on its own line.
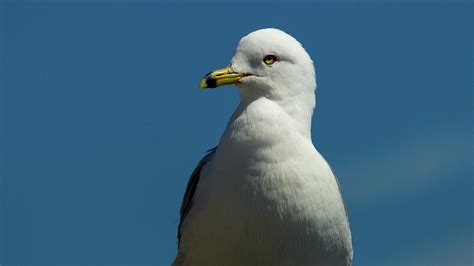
<point x="267" y="63"/>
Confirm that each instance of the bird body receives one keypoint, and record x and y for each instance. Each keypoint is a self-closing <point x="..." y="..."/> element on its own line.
<point x="266" y="196"/>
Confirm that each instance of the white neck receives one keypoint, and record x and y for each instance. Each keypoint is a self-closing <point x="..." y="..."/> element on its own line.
<point x="263" y="122"/>
<point x="296" y="109"/>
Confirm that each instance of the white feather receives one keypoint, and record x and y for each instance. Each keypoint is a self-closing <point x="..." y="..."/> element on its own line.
<point x="268" y="197"/>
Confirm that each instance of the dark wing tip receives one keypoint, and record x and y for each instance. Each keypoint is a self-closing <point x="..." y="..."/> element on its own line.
<point x="191" y="188"/>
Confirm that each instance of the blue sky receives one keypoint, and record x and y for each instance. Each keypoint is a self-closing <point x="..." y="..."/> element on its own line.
<point x="102" y="122"/>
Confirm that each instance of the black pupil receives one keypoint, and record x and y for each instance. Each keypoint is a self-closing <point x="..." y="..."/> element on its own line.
<point x="269" y="59"/>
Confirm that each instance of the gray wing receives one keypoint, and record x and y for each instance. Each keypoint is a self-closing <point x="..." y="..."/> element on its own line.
<point x="187" y="203"/>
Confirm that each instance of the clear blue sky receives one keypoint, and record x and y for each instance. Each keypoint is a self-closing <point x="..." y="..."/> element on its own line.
<point x="102" y="122"/>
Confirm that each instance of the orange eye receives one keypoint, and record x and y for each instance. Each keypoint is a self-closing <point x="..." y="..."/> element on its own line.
<point x="269" y="59"/>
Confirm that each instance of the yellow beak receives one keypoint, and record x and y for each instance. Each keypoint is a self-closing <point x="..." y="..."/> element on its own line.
<point x="221" y="77"/>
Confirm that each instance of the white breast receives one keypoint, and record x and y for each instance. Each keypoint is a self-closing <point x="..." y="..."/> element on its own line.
<point x="267" y="198"/>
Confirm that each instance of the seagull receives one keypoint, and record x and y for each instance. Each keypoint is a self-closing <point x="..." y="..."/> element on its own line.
<point x="265" y="196"/>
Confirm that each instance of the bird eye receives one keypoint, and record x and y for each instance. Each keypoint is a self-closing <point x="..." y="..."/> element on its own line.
<point x="269" y="59"/>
